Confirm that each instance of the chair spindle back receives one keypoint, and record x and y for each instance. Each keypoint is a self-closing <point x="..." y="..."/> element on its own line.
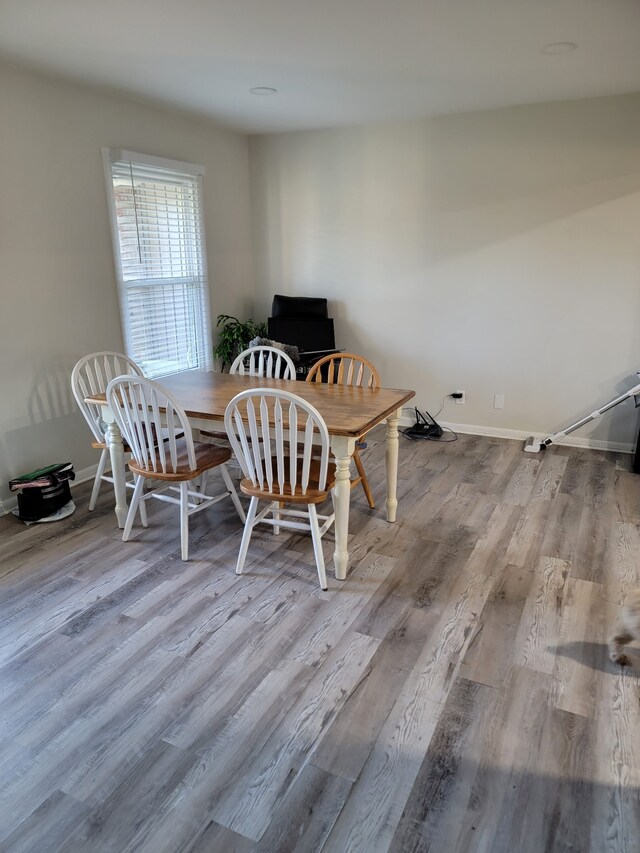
<point x="151" y="421"/>
<point x="345" y="368"/>
<point x="273" y="433"/>
<point x="91" y="375"/>
<point x="269" y="362"/>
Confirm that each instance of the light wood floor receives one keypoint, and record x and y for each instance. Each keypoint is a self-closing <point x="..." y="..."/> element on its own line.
<point x="454" y="694"/>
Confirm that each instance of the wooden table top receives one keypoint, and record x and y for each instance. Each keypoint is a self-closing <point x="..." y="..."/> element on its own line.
<point x="346" y="411"/>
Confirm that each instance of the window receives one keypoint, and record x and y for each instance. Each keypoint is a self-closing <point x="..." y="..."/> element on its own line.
<point x="158" y="236"/>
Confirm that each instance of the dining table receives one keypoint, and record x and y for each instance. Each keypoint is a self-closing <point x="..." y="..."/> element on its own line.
<point x="349" y="413"/>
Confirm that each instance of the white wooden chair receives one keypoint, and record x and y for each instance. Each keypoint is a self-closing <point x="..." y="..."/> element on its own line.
<point x="143" y="409"/>
<point x="347" y="368"/>
<point x="272" y="433"/>
<point x="91" y="375"/>
<point x="269" y="362"/>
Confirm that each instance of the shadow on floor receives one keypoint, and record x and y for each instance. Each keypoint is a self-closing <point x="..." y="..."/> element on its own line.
<point x="596" y="656"/>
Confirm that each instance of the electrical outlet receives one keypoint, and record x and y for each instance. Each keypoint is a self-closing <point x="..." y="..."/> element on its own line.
<point x="461" y="400"/>
<point x="498" y="401"/>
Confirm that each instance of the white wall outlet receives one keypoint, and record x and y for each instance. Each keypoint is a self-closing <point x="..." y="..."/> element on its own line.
<point x="498" y="401"/>
<point x="460" y="401"/>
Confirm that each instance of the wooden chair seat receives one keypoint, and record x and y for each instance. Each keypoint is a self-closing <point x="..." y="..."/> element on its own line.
<point x="361" y="477"/>
<point x="207" y="456"/>
<point x="313" y="494"/>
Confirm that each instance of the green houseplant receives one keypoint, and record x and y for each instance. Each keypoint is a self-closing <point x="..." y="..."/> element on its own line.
<point x="235" y="337"/>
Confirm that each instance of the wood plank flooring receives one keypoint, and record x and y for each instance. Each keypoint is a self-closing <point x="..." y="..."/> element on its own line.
<point x="454" y="694"/>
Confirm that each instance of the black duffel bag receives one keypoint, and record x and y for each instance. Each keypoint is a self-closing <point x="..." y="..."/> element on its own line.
<point x="43" y="492"/>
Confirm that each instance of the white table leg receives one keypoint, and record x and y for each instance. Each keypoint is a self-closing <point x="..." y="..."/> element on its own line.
<point x="116" y="453"/>
<point x="342" y="448"/>
<point x="391" y="458"/>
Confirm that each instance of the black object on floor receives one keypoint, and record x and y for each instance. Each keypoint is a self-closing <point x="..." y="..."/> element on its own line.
<point x="43" y="492"/>
<point x="425" y="426"/>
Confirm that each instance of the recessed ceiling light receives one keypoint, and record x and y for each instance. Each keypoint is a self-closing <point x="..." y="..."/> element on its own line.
<point x="263" y="90"/>
<point x="559" y="47"/>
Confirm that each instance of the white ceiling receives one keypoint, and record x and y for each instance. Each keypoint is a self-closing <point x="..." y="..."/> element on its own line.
<point x="333" y="62"/>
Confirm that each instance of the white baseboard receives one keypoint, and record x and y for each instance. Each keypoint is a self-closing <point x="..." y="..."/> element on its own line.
<point x="9" y="504"/>
<point x="523" y="435"/>
<point x="84" y="475"/>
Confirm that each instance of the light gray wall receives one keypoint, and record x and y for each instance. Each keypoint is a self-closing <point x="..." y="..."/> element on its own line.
<point x="59" y="297"/>
<point x="496" y="252"/>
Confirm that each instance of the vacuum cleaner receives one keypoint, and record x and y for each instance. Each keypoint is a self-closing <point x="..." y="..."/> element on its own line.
<point x="534" y="445"/>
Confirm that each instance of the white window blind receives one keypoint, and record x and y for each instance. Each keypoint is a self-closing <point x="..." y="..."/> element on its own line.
<point x="156" y="208"/>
